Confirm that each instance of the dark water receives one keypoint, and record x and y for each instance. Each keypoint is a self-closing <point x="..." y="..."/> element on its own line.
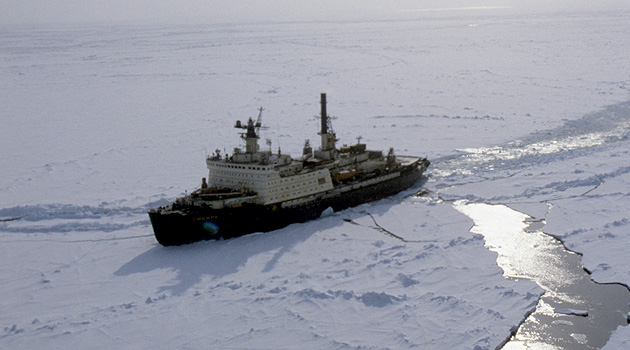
<point x="574" y="312"/>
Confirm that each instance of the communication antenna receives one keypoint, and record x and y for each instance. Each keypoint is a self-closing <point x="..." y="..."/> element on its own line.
<point x="278" y="136"/>
<point x="259" y="119"/>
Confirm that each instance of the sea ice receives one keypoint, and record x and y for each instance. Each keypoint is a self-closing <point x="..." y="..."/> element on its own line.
<point x="101" y="122"/>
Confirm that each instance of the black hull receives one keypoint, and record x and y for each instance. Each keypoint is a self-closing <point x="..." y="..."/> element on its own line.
<point x="193" y="224"/>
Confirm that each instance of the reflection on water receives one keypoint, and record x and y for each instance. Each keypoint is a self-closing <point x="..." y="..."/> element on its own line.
<point x="562" y="140"/>
<point x="559" y="321"/>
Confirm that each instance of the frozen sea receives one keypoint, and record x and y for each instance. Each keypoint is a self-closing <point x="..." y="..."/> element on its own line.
<point x="522" y="110"/>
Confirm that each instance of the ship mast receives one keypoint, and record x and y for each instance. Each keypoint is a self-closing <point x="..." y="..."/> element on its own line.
<point x="324" y="116"/>
<point x="251" y="136"/>
<point x="328" y="150"/>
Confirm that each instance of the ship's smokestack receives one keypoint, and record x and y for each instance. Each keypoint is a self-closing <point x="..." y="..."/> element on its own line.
<point x="324" y="116"/>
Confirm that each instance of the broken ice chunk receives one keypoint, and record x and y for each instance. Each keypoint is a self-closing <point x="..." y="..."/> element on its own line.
<point x="576" y="312"/>
<point x="327" y="212"/>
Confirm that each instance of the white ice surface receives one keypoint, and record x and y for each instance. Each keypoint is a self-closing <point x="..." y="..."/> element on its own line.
<point x="100" y="121"/>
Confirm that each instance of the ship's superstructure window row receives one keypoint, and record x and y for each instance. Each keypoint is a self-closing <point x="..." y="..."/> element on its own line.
<point x="268" y="181"/>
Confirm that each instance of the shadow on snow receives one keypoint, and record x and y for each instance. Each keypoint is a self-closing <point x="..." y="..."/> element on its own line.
<point x="223" y="257"/>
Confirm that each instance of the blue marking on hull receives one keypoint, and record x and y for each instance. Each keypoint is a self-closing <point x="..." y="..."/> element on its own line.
<point x="210" y="227"/>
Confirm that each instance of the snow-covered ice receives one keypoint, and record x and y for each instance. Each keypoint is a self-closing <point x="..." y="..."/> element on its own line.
<point x="100" y="122"/>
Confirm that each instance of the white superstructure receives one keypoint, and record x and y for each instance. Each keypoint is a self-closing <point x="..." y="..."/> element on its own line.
<point x="262" y="177"/>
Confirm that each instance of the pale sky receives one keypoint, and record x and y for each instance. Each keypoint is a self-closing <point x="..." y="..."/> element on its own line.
<point x="77" y="11"/>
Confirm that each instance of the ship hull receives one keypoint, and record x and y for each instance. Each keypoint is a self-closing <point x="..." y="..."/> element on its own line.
<point x="191" y="224"/>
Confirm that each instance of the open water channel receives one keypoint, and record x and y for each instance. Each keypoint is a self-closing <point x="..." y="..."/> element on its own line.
<point x="574" y="312"/>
